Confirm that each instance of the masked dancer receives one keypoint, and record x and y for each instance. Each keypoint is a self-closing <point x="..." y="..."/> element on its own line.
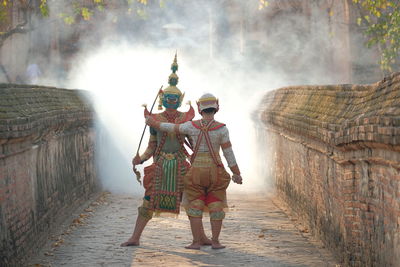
<point x="163" y="179"/>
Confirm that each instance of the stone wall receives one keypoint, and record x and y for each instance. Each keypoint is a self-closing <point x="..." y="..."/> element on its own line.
<point x="46" y="164"/>
<point x="336" y="156"/>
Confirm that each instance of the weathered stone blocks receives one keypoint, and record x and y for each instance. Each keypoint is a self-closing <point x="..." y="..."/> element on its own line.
<point x="46" y="163"/>
<point x="337" y="161"/>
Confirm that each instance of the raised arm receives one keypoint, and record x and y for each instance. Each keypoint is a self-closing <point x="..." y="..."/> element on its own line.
<point x="169" y="127"/>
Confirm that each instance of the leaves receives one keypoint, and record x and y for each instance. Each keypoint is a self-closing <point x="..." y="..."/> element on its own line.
<point x="44" y="8"/>
<point x="141" y="13"/>
<point x="162" y="3"/>
<point x="262" y="4"/>
<point x="86" y="13"/>
<point x="382" y="28"/>
<point x="3" y="13"/>
<point x="69" y="20"/>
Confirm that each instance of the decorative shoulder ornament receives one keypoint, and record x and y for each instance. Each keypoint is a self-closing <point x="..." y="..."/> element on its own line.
<point x="215" y="125"/>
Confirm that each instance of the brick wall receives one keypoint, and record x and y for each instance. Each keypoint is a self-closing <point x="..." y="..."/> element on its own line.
<point x="46" y="164"/>
<point x="336" y="156"/>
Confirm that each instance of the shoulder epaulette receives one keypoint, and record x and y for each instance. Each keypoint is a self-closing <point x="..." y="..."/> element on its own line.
<point x="196" y="124"/>
<point x="182" y="117"/>
<point x="216" y="125"/>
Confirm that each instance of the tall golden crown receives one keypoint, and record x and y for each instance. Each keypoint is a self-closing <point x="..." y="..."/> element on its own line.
<point x="172" y="81"/>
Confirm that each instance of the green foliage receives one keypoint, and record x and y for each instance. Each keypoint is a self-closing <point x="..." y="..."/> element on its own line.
<point x="3" y="13"/>
<point x="86" y="13"/>
<point x="381" y="18"/>
<point x="44" y="8"/>
<point x="141" y="12"/>
<point x="75" y="10"/>
<point x="262" y="4"/>
<point x="67" y="18"/>
<point x="162" y="3"/>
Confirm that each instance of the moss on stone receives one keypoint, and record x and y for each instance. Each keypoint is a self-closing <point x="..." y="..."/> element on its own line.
<point x="335" y="113"/>
<point x="34" y="108"/>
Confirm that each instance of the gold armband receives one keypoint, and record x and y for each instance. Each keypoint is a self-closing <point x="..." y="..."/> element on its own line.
<point x="226" y="145"/>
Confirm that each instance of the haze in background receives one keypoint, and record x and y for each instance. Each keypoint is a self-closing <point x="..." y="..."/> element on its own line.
<point x="124" y="71"/>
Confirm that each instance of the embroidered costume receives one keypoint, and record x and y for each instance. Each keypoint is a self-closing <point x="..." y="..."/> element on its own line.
<point x="207" y="180"/>
<point x="163" y="180"/>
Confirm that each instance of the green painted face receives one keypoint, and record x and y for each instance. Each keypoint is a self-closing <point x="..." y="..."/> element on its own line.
<point x="171" y="101"/>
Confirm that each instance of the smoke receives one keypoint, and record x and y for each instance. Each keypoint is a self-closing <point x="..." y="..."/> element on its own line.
<point x="126" y="71"/>
<point x="122" y="78"/>
<point x="228" y="48"/>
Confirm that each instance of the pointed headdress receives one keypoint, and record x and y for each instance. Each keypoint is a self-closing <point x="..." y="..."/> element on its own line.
<point x="173" y="80"/>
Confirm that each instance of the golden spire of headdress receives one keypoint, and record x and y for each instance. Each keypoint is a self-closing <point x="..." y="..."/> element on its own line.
<point x="172" y="81"/>
<point x="173" y="78"/>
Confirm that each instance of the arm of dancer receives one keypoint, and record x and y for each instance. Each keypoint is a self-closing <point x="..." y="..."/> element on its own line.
<point x="148" y="153"/>
<point x="227" y="150"/>
<point x="183" y="128"/>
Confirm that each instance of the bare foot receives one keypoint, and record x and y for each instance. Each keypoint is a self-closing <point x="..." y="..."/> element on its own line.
<point x="194" y="245"/>
<point x="216" y="245"/>
<point x="206" y="241"/>
<point x="130" y="243"/>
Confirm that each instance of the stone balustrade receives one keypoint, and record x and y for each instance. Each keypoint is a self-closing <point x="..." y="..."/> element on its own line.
<point x="46" y="164"/>
<point x="336" y="154"/>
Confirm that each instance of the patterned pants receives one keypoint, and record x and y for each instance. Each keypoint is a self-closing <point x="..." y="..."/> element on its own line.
<point x="205" y="188"/>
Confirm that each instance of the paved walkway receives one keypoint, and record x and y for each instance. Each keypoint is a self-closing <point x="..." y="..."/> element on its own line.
<point x="255" y="231"/>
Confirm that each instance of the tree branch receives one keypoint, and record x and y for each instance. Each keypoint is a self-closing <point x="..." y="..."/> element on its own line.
<point x="3" y="69"/>
<point x="19" y="28"/>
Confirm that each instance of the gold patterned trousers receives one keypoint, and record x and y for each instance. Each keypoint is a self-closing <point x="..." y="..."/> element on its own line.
<point x="205" y="187"/>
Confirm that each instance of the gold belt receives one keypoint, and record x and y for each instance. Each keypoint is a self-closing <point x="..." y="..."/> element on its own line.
<point x="168" y="156"/>
<point x="204" y="159"/>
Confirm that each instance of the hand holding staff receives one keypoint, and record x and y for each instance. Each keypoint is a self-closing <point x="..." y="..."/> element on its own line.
<point x="136" y="160"/>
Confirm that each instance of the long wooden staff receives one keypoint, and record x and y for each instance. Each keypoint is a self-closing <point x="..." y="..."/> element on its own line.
<point x="141" y="138"/>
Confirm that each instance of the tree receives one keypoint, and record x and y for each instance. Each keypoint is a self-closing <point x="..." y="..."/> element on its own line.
<point x="48" y="11"/>
<point x="69" y="12"/>
<point x="381" y="20"/>
<point x="20" y="27"/>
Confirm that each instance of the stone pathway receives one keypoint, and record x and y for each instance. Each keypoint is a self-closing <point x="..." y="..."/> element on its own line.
<point x="255" y="231"/>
